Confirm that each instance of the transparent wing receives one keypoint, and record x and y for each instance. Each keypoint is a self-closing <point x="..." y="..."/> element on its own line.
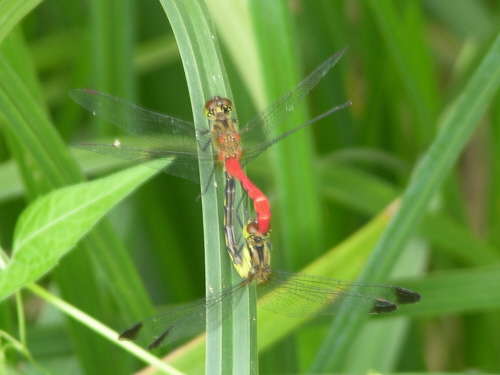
<point x="254" y="131"/>
<point x="303" y="295"/>
<point x="186" y="321"/>
<point x="152" y="126"/>
<point x="183" y="164"/>
<point x="285" y="293"/>
<point x="168" y="136"/>
<point x="251" y="152"/>
<point x="175" y="137"/>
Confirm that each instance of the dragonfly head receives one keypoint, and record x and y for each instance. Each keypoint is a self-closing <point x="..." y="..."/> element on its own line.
<point x="217" y="107"/>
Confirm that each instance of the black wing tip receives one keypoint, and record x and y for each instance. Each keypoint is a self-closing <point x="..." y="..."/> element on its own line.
<point x="383" y="306"/>
<point x="158" y="341"/>
<point x="130" y="334"/>
<point x="406" y="296"/>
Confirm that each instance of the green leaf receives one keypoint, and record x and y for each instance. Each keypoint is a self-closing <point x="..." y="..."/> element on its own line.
<point x="52" y="225"/>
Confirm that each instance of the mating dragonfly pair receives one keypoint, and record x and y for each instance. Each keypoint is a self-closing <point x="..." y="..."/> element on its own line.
<point x="284" y="293"/>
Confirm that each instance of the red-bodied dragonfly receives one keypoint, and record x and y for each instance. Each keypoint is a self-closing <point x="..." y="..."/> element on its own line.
<point x="173" y="137"/>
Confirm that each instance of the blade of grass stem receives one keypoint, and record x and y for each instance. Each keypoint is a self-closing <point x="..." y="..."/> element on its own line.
<point x="206" y="77"/>
<point x="455" y="130"/>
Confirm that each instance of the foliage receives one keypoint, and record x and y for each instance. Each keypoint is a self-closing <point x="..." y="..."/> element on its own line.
<point x="402" y="187"/>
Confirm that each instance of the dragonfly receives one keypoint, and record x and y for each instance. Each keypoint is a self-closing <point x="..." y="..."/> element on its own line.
<point x="172" y="137"/>
<point x="285" y="293"/>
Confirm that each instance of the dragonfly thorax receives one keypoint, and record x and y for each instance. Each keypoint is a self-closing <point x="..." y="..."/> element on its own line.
<point x="259" y="273"/>
<point x="258" y="247"/>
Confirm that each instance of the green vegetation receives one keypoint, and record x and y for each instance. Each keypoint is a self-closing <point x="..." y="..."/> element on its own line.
<point x="401" y="188"/>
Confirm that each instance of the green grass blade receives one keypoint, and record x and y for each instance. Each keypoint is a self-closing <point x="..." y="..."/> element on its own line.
<point x="427" y="178"/>
<point x="237" y="31"/>
<point x="206" y="77"/>
<point x="12" y="12"/>
<point x="457" y="291"/>
<point x="368" y="194"/>
<point x="292" y="158"/>
<point x="111" y="44"/>
<point x="43" y="142"/>
<point x="10" y="184"/>
<point x="412" y="60"/>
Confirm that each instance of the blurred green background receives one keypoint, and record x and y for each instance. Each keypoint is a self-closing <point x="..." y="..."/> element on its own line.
<point x="406" y="65"/>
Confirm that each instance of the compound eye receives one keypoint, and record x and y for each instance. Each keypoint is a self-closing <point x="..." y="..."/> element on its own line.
<point x="253" y="227"/>
<point x="225" y="102"/>
<point x="226" y="105"/>
<point x="210" y="105"/>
